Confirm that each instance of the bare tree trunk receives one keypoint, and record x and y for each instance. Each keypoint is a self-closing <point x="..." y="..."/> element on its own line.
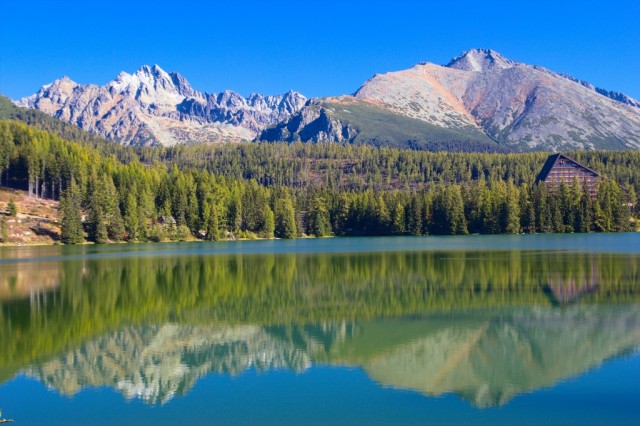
<point x="43" y="190"/>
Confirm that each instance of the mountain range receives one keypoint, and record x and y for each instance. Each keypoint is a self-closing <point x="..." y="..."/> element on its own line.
<point x="153" y="107"/>
<point x="479" y="101"/>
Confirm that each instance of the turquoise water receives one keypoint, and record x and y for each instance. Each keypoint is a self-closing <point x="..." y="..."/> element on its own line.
<point x="446" y="330"/>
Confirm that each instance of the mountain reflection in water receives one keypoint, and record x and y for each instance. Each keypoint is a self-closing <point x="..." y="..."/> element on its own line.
<point x="485" y="325"/>
<point x="486" y="358"/>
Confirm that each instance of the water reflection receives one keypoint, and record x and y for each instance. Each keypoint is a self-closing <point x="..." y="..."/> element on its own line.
<point x="485" y="358"/>
<point x="20" y="281"/>
<point x="485" y="325"/>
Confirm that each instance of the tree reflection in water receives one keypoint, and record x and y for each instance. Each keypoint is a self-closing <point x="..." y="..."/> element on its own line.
<point x="485" y="325"/>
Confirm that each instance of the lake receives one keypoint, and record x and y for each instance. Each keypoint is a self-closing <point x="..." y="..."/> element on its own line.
<point x="427" y="330"/>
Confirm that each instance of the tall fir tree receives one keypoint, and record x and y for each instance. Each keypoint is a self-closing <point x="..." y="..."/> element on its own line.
<point x="131" y="217"/>
<point x="212" y="225"/>
<point x="285" y="217"/>
<point x="319" y="224"/>
<point x="71" y="221"/>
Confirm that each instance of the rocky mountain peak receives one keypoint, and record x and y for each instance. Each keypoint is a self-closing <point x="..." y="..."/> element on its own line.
<point x="62" y="84"/>
<point x="65" y="79"/>
<point x="480" y="60"/>
<point x="153" y="70"/>
<point x="57" y="91"/>
<point x="294" y="96"/>
<point x="152" y="106"/>
<point x="479" y="96"/>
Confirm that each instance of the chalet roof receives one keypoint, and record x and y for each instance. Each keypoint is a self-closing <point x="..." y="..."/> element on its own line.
<point x="552" y="160"/>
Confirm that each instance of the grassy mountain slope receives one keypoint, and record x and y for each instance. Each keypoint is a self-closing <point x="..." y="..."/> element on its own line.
<point x="350" y="121"/>
<point x="381" y="127"/>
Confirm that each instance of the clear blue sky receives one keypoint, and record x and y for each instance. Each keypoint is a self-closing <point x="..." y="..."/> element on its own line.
<point x="318" y="48"/>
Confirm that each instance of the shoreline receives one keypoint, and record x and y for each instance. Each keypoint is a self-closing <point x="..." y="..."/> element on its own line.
<point x="307" y="237"/>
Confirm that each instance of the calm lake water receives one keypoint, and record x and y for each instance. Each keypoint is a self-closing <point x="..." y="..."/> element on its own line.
<point x="538" y="329"/>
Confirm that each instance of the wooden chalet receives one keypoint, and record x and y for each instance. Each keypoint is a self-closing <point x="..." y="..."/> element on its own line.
<point x="562" y="169"/>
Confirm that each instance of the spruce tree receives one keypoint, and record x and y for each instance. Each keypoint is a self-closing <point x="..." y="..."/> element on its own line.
<point x="383" y="217"/>
<point x="543" y="206"/>
<point x="398" y="219"/>
<point x="285" y="218"/>
<point x="234" y="218"/>
<point x="512" y="210"/>
<point x="212" y="225"/>
<point x="71" y="222"/>
<point x="319" y="218"/>
<point x="115" y="228"/>
<point x="131" y="217"/>
<point x="439" y="218"/>
<point x="340" y="214"/>
<point x="11" y="208"/>
<point x="584" y="213"/>
<point x="414" y="216"/>
<point x="97" y="226"/>
<point x="457" y="221"/>
<point x="269" y="223"/>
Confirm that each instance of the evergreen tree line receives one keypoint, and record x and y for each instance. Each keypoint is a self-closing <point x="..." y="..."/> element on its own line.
<point x="175" y="195"/>
<point x="361" y="167"/>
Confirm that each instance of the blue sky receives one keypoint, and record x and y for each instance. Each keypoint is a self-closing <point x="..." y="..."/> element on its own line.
<point x="318" y="48"/>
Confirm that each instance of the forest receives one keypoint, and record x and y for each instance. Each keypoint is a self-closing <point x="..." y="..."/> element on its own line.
<point x="112" y="193"/>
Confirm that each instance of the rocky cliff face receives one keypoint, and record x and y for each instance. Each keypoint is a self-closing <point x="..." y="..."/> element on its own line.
<point x="155" y="107"/>
<point x="483" y="94"/>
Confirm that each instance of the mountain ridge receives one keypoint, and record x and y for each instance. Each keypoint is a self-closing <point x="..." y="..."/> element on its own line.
<point x="152" y="107"/>
<point x="480" y="100"/>
<point x="521" y="107"/>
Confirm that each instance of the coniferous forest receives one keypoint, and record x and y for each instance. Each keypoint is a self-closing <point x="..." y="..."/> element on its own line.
<point x="111" y="193"/>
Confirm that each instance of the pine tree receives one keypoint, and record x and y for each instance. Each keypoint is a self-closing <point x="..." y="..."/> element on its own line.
<point x="285" y="218"/>
<point x="512" y="210"/>
<point x="584" y="213"/>
<point x="414" y="216"/>
<point x="543" y="216"/>
<point x="398" y="219"/>
<point x="97" y="227"/>
<point x="269" y="223"/>
<point x="71" y="228"/>
<point x="108" y="202"/>
<point x="131" y="216"/>
<point x="458" y="223"/>
<point x="234" y="218"/>
<point x="212" y="225"/>
<point x="115" y="227"/>
<point x="426" y="213"/>
<point x="527" y="211"/>
<point x="319" y="218"/>
<point x="439" y="219"/>
<point x="382" y="215"/>
<point x="146" y="210"/>
<point x="605" y="207"/>
<point x="11" y="208"/>
<point x="101" y="235"/>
